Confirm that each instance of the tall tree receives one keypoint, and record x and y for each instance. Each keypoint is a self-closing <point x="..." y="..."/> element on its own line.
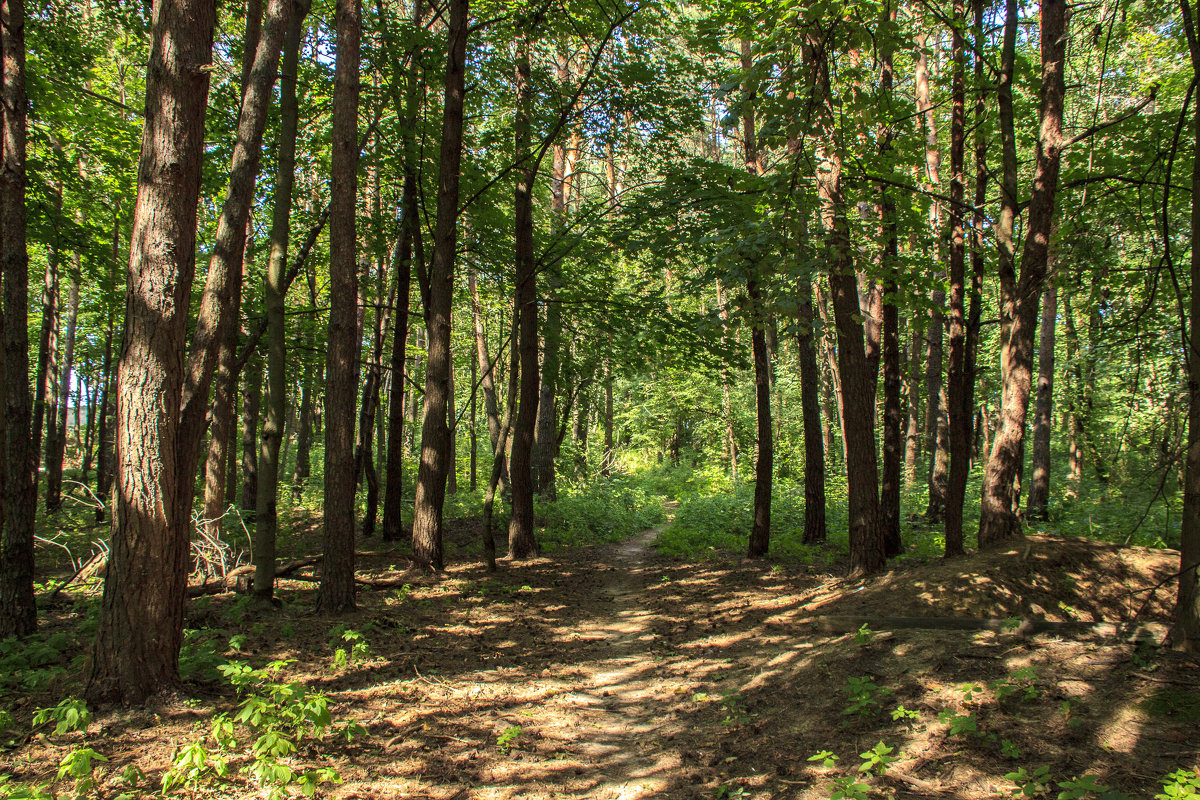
<point x="266" y="515"/>
<point x="521" y="542"/>
<point x="336" y="594"/>
<point x="141" y="618"/>
<point x="1185" y="633"/>
<point x="18" y="613"/>
<point x="999" y="518"/>
<point x="435" y="433"/>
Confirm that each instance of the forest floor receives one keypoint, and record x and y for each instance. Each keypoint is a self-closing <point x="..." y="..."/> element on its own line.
<point x="615" y="672"/>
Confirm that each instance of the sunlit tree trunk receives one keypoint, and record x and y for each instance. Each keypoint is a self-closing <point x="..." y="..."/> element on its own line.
<point x="999" y="512"/>
<point x="141" y="618"/>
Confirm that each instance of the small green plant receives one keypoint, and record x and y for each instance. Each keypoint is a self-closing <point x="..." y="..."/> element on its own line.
<point x="864" y="635"/>
<point x="729" y="792"/>
<point x="1029" y="784"/>
<point x="508" y="738"/>
<point x="1179" y="784"/>
<point x="287" y="630"/>
<point x="827" y="759"/>
<point x="1021" y="680"/>
<point x="71" y="714"/>
<point x="198" y="656"/>
<point x="403" y="592"/>
<point x="78" y="766"/>
<point x="863" y="695"/>
<point x="1010" y="624"/>
<point x="8" y="792"/>
<point x="1080" y="787"/>
<point x="237" y="642"/>
<point x="193" y="765"/>
<point x="969" y="690"/>
<point x="877" y="759"/>
<point x="1008" y="749"/>
<point x="354" y="646"/>
<point x="908" y="715"/>
<point x="960" y="724"/>
<point x="735" y="713"/>
<point x="847" y="788"/>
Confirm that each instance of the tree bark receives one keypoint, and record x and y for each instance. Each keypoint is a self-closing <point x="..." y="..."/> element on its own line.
<point x="760" y="533"/>
<point x="999" y="512"/>
<point x="487" y="381"/>
<point x="393" y="499"/>
<point x="336" y="592"/>
<point x="608" y="456"/>
<point x="435" y="435"/>
<point x="1039" y="486"/>
<point x="266" y="520"/>
<point x="141" y="619"/>
<point x="56" y="444"/>
<point x="18" y="461"/>
<point x="858" y="408"/>
<point x="814" y="448"/>
<point x="521" y="541"/>
<point x="252" y="375"/>
<point x="1185" y="632"/>
<point x="726" y="403"/>
<point x="960" y="418"/>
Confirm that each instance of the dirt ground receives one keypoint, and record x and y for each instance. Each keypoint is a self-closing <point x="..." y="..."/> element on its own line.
<point x="613" y="672"/>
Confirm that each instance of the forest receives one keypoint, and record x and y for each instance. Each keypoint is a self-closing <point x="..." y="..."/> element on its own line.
<point x="599" y="398"/>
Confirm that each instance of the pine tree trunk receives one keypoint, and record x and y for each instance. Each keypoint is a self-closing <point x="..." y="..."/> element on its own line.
<point x="56" y="445"/>
<point x="266" y="519"/>
<point x="393" y="499"/>
<point x="1185" y="633"/>
<point x="521" y="541"/>
<point x="726" y="402"/>
<point x="999" y="512"/>
<point x="452" y="435"/>
<point x="435" y="435"/>
<point x="336" y="592"/>
<point x="18" y="461"/>
<point x="488" y="381"/>
<point x="959" y="414"/>
<point x="912" y="378"/>
<point x="858" y="407"/>
<point x="104" y="450"/>
<point x="814" y="448"/>
<point x="1039" y="486"/>
<point x="141" y="619"/>
<point x="46" y="388"/>
<point x="609" y="455"/>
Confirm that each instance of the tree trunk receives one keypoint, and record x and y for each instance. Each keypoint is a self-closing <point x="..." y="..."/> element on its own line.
<point x="936" y="417"/>
<point x="760" y="533"/>
<point x="435" y="435"/>
<point x="726" y="403"/>
<point x="252" y="375"/>
<point x="1039" y="486"/>
<point x="521" y="541"/>
<point x="393" y="499"/>
<point x="999" y="512"/>
<point x="488" y="381"/>
<point x="141" y="619"/>
<point x="609" y="455"/>
<point x="304" y="436"/>
<point x="1185" y="633"/>
<point x="501" y="444"/>
<point x="912" y="377"/>
<point x="814" y="449"/>
<point x="46" y="388"/>
<point x="104" y="436"/>
<point x="57" y="444"/>
<point x="452" y="435"/>
<point x="336" y="592"/>
<point x="858" y="408"/>
<point x="266" y="519"/>
<point x="959" y="415"/>
<point x="18" y="461"/>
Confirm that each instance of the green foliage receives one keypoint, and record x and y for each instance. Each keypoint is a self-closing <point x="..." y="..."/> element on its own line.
<point x="1029" y="784"/>
<point x="272" y="717"/>
<point x="354" y="649"/>
<point x="604" y="512"/>
<point x="77" y="765"/>
<point x="1080" y="787"/>
<point x="71" y="714"/>
<point x="959" y="724"/>
<point x="199" y="659"/>
<point x="34" y="662"/>
<point x="1020" y="680"/>
<point x="508" y="738"/>
<point x="909" y="715"/>
<point x="827" y="758"/>
<point x="864" y="695"/>
<point x="864" y="635"/>
<point x="1180" y="783"/>
<point x="847" y="788"/>
<point x="877" y="759"/>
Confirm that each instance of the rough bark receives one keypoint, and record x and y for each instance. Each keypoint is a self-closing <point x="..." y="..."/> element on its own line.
<point x="393" y="498"/>
<point x="1039" y="486"/>
<point x="251" y="414"/>
<point x="959" y="414"/>
<point x="999" y="512"/>
<point x="487" y="381"/>
<point x="18" y="461"/>
<point x="336" y="592"/>
<point x="521" y="541"/>
<point x="814" y="448"/>
<point x="858" y="408"/>
<point x="56" y="443"/>
<point x="46" y="387"/>
<point x="266" y="519"/>
<point x="1185" y="633"/>
<point x="435" y="435"/>
<point x="141" y="619"/>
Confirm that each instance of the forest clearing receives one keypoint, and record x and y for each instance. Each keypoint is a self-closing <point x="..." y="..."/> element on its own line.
<point x="472" y="399"/>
